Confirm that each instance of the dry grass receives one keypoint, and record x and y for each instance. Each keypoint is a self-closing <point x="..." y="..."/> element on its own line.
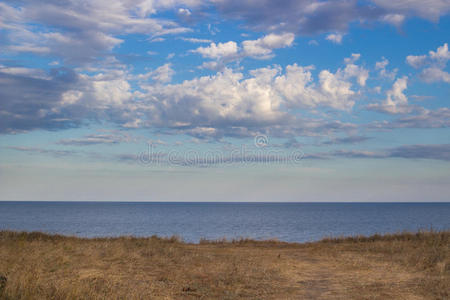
<point x="400" y="266"/>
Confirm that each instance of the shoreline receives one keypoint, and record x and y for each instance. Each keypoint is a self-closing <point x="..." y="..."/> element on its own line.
<point x="405" y="234"/>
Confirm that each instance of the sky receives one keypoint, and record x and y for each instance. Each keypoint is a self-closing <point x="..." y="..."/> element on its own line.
<point x="224" y="100"/>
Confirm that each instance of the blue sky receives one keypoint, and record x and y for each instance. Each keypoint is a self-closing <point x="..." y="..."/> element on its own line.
<point x="192" y="100"/>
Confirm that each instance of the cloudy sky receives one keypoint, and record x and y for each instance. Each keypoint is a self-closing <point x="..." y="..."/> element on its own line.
<point x="224" y="100"/>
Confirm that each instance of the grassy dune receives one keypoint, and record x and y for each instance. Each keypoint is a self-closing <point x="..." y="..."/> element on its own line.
<point x="399" y="266"/>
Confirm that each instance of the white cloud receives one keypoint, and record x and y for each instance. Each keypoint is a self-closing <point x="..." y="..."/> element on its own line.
<point x="435" y="63"/>
<point x="228" y="102"/>
<point x="381" y="67"/>
<point x="162" y="74"/>
<point x="335" y="38"/>
<point x="354" y="71"/>
<point x="244" y="102"/>
<point x="435" y="75"/>
<point x="218" y="51"/>
<point x="416" y="61"/>
<point x="394" y="19"/>
<point x="228" y="99"/>
<point x="213" y="65"/>
<point x="262" y="47"/>
<point x="395" y="95"/>
<point x="184" y="12"/>
<point x="211" y="100"/>
<point x="442" y="54"/>
<point x="439" y="57"/>
<point x="97" y="92"/>
<point x="396" y="101"/>
<point x="196" y="40"/>
<point x="353" y="58"/>
<point x="106" y="90"/>
<point x="336" y="90"/>
<point x="296" y="85"/>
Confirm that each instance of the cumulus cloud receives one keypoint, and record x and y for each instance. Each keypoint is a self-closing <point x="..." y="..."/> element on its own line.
<point x="227" y="103"/>
<point x="433" y="65"/>
<point x="353" y="58"/>
<point x="335" y="38"/>
<point x="290" y="101"/>
<point x="225" y="98"/>
<point x="333" y="89"/>
<point x="352" y="70"/>
<point x="416" y="61"/>
<point x="396" y="101"/>
<point x="261" y="48"/>
<point x="435" y="75"/>
<point x="162" y="74"/>
<point x="230" y="102"/>
<point x="380" y="66"/>
<point x="441" y="55"/>
<point x="223" y="51"/>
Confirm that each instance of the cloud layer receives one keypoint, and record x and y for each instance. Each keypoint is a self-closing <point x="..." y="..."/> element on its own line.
<point x="62" y="68"/>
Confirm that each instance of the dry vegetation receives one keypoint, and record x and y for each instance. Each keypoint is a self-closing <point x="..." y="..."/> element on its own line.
<point x="400" y="266"/>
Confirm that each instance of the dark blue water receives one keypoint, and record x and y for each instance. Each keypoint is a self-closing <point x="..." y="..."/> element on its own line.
<point x="294" y="222"/>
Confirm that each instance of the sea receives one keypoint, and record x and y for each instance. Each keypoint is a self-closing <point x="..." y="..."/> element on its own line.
<point x="291" y="222"/>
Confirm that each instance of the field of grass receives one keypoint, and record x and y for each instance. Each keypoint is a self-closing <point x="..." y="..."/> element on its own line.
<point x="398" y="266"/>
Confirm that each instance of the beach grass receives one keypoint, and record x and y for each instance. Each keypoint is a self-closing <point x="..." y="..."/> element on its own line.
<point x="395" y="266"/>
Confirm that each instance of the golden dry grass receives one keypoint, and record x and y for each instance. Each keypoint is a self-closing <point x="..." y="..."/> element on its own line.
<point x="399" y="266"/>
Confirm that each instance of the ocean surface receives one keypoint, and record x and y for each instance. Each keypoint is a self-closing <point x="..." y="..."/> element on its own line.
<point x="293" y="222"/>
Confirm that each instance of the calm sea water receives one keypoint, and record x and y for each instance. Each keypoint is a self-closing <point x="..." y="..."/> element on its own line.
<point x="294" y="222"/>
